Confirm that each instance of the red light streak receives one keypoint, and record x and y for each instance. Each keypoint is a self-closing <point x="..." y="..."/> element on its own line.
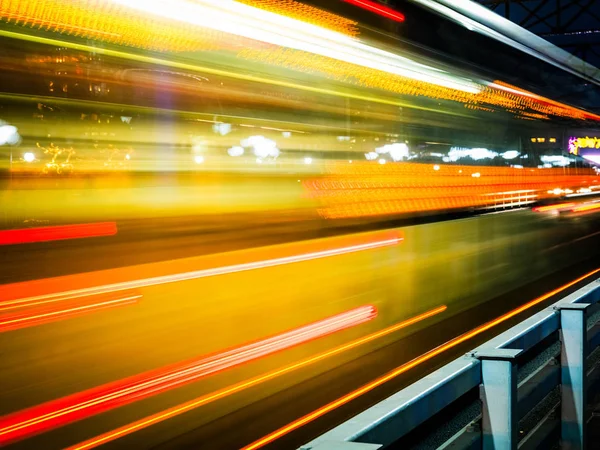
<point x="406" y="367"/>
<point x="385" y="239"/>
<point x="205" y="399"/>
<point x="39" y="317"/>
<point x="57" y="233"/>
<point x="85" y="404"/>
<point x="557" y="207"/>
<point x="378" y="9"/>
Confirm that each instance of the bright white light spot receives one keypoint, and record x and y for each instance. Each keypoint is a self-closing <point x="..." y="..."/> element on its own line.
<point x="235" y="151"/>
<point x="382" y="161"/>
<point x="263" y="147"/>
<point x="476" y="154"/>
<point x="198" y="159"/>
<point x="29" y="157"/>
<point x="350" y="161"/>
<point x="258" y="161"/>
<point x="222" y="128"/>
<point x="556" y="160"/>
<point x="9" y="134"/>
<point x="307" y="160"/>
<point x="286" y="134"/>
<point x="476" y="175"/>
<point x="127" y="156"/>
<point x="436" y="167"/>
<point x="510" y="154"/>
<point x="371" y="156"/>
<point x="396" y="151"/>
<point x="517" y="166"/>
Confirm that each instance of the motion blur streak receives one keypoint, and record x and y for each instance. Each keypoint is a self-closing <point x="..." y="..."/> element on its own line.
<point x="85" y="404"/>
<point x="210" y="70"/>
<point x="408" y="366"/>
<point x="57" y="233"/>
<point x="258" y="25"/>
<point x="41" y="317"/>
<point x="584" y="208"/>
<point x="378" y="9"/>
<point x="306" y="13"/>
<point x="386" y="239"/>
<point x="557" y="207"/>
<point x="180" y="409"/>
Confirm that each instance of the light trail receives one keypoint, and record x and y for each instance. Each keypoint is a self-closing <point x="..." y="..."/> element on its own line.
<point x="378" y="9"/>
<point x="385" y="239"/>
<point x="57" y="233"/>
<point x="200" y="401"/>
<point x="85" y="404"/>
<point x="237" y="19"/>
<point x="585" y="208"/>
<point x="557" y="207"/>
<point x="407" y="366"/>
<point x="9" y="323"/>
<point x="239" y="75"/>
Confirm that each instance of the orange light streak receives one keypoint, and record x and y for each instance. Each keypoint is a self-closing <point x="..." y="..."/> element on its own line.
<point x="407" y="366"/>
<point x="37" y="318"/>
<point x="306" y="13"/>
<point x="112" y="23"/>
<point x="384" y="239"/>
<point x="557" y="207"/>
<point x="364" y="189"/>
<point x="85" y="404"/>
<point x="200" y="401"/>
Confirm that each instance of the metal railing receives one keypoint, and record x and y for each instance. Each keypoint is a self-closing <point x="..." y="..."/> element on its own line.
<point x="525" y="389"/>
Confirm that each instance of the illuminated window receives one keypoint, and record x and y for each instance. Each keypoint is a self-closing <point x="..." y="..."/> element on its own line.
<point x="552" y="140"/>
<point x="532" y="139"/>
<point x="541" y="139"/>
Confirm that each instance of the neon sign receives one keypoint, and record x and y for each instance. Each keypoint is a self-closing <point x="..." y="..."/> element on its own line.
<point x="575" y="143"/>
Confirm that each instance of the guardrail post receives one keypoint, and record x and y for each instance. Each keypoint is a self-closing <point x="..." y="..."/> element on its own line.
<point x="573" y="358"/>
<point x="499" y="396"/>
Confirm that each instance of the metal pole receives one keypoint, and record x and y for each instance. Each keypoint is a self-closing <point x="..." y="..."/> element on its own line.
<point x="573" y="358"/>
<point x="499" y="397"/>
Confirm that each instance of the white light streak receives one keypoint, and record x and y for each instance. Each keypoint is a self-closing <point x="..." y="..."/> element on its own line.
<point x="242" y="20"/>
<point x="205" y="273"/>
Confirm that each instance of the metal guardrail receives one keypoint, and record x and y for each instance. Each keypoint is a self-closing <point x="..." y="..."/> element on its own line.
<point x="525" y="389"/>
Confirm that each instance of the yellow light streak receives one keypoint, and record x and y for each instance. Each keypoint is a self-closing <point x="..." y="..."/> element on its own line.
<point x="218" y="72"/>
